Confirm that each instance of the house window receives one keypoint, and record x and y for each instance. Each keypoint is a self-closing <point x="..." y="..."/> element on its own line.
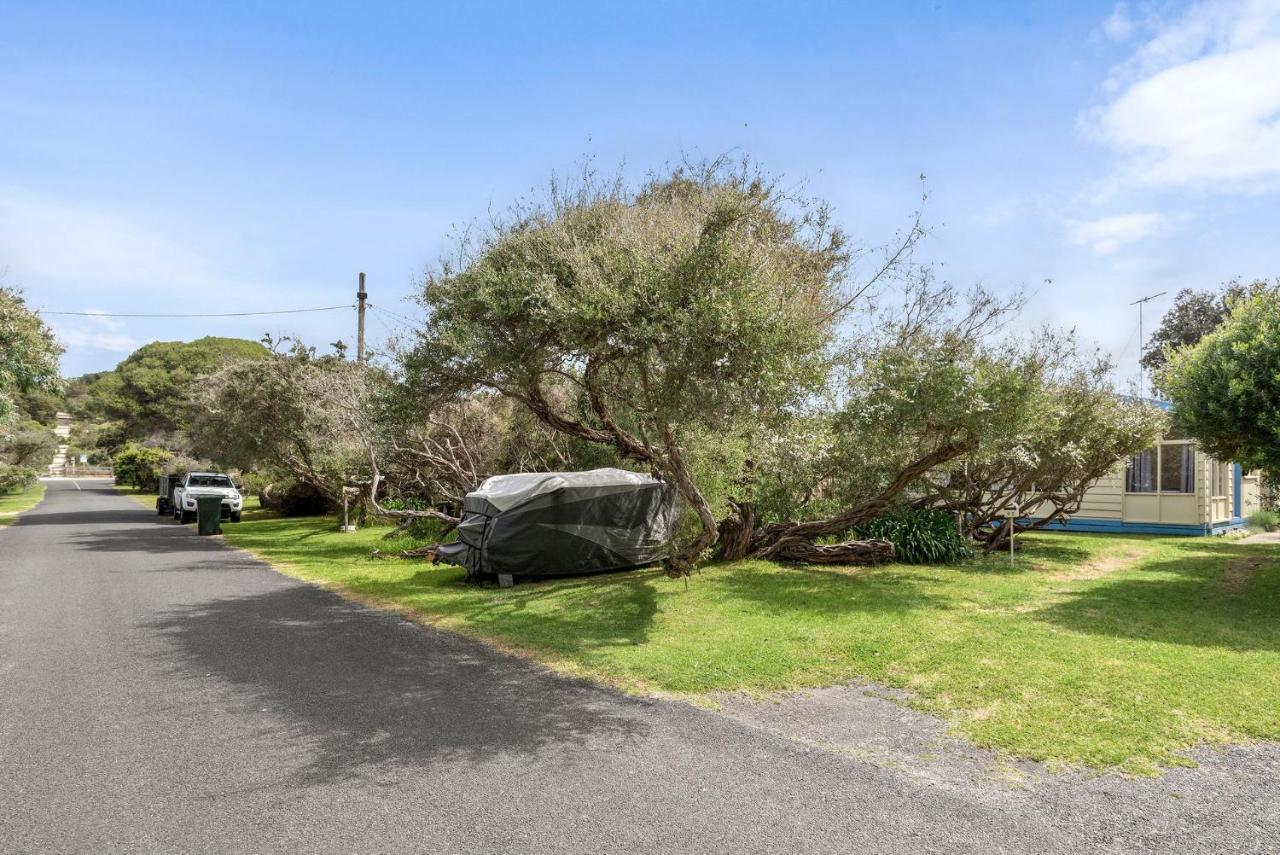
<point x="1140" y="477"/>
<point x="1178" y="468"/>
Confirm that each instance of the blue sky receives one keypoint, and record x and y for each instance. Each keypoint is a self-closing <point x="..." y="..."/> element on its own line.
<point x="247" y="156"/>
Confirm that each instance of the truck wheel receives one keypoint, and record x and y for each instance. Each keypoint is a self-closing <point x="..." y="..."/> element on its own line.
<point x="176" y="513"/>
<point x="188" y="516"/>
<point x="235" y="516"/>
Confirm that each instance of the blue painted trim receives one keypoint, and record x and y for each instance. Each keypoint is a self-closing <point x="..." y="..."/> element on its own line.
<point x="1122" y="527"/>
<point x="1237" y="477"/>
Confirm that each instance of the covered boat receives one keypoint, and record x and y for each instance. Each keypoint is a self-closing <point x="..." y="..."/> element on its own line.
<point x="563" y="524"/>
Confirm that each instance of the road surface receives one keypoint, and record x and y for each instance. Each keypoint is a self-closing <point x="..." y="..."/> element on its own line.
<point x="164" y="693"/>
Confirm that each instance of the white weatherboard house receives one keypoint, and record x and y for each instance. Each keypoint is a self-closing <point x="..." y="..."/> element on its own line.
<point x="1171" y="488"/>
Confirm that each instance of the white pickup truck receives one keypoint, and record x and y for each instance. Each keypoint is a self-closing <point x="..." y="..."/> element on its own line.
<point x="206" y="484"/>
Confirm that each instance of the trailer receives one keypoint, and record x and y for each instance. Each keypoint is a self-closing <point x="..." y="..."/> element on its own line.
<point x="164" y="501"/>
<point x="539" y="524"/>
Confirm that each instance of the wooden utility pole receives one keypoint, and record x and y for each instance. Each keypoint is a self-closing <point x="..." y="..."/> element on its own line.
<point x="361" y="296"/>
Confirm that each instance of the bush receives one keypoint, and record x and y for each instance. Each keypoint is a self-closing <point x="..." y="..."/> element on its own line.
<point x="30" y="445"/>
<point x="919" y="535"/>
<point x="1264" y="520"/>
<point x="16" y="478"/>
<point x="140" y="467"/>
<point x="294" y="499"/>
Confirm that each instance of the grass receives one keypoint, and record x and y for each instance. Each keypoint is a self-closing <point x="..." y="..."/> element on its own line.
<point x="1095" y="650"/>
<point x="12" y="504"/>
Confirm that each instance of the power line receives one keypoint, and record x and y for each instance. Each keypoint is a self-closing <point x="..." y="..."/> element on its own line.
<point x="206" y="315"/>
<point x="401" y="318"/>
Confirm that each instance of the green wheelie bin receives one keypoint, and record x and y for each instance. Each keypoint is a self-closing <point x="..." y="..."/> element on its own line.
<point x="208" y="515"/>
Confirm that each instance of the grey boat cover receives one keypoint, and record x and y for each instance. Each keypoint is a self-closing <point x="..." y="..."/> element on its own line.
<point x="563" y="524"/>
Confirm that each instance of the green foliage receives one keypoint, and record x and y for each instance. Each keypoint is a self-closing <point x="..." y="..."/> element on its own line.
<point x="28" y="444"/>
<point x="1043" y="448"/>
<point x="25" y="496"/>
<point x="17" y="478"/>
<point x="28" y="352"/>
<point x="40" y="404"/>
<point x="700" y="294"/>
<point x="149" y="392"/>
<point x="426" y="529"/>
<point x="1226" y="389"/>
<point x="919" y="535"/>
<point x="294" y="412"/>
<point x="140" y="467"/>
<point x="1193" y="315"/>
<point x="1264" y="520"/>
<point x="702" y="302"/>
<point x="87" y="396"/>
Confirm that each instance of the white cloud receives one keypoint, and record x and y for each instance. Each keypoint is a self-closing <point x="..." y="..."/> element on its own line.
<point x="1104" y="236"/>
<point x="1120" y="25"/>
<point x="1197" y="106"/>
<point x="94" y="332"/>
<point x="95" y="339"/>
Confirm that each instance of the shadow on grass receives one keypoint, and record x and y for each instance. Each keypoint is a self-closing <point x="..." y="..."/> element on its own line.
<point x="363" y="689"/>
<point x="573" y="617"/>
<point x="1216" y="594"/>
<point x="1048" y="546"/>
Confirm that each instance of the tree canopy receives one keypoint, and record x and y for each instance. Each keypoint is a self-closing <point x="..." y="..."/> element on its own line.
<point x="149" y="392"/>
<point x="1193" y="315"/>
<point x="1226" y="388"/>
<point x="28" y="352"/>
<point x="703" y="301"/>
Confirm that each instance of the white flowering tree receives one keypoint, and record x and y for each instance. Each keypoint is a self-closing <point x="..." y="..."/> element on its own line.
<point x="1070" y="430"/>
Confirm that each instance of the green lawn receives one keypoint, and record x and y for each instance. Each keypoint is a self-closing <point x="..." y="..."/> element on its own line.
<point x="1092" y="649"/>
<point x="12" y="504"/>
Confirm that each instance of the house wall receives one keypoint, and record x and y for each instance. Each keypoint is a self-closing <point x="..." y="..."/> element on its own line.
<point x="1251" y="494"/>
<point x="1105" y="499"/>
<point x="1107" y="507"/>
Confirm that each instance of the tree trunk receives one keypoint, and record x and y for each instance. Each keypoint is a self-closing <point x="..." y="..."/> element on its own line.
<point x="850" y="552"/>
<point x="738" y="531"/>
<point x="797" y="541"/>
<point x="684" y="559"/>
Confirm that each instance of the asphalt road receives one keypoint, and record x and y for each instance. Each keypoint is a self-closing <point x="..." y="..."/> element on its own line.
<point x="164" y="693"/>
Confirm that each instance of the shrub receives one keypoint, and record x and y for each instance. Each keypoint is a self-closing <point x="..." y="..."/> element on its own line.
<point x="15" y="478"/>
<point x="1264" y="520"/>
<point x="919" y="535"/>
<point x="140" y="467"/>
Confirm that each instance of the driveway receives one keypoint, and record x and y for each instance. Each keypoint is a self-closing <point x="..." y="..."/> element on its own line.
<point x="161" y="692"/>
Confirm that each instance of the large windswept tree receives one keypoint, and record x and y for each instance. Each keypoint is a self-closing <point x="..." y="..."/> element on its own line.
<point x="1043" y="449"/>
<point x="916" y="389"/>
<point x="702" y="303"/>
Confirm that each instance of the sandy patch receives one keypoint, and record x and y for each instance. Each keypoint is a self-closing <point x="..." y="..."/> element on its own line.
<point x="1101" y="567"/>
<point x="1239" y="571"/>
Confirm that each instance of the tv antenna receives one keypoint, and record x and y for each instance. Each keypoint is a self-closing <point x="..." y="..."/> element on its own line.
<point x="1142" y="375"/>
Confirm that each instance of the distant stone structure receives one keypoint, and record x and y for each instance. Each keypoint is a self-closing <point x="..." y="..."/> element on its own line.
<point x="58" y="468"/>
